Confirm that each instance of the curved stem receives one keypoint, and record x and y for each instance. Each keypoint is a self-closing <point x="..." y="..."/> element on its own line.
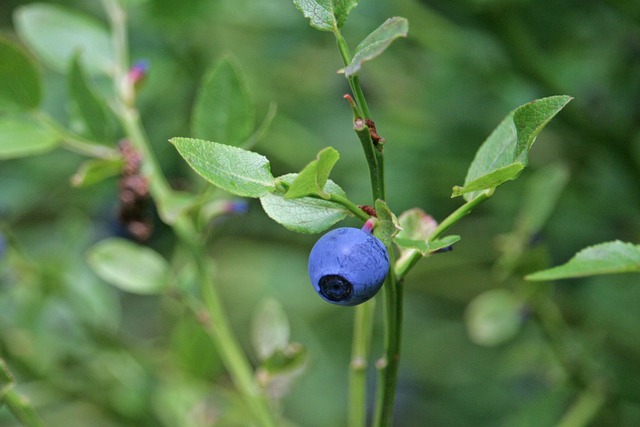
<point x="215" y="319"/>
<point x="353" y="208"/>
<point x="22" y="409"/>
<point x="75" y="143"/>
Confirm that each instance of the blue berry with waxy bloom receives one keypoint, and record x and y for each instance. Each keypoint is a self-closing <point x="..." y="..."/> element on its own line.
<point x="347" y="266"/>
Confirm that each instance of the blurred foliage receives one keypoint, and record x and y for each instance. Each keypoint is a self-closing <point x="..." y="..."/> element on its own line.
<point x="88" y="354"/>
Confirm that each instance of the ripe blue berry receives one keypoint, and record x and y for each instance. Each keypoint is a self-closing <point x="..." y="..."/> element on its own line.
<point x="347" y="266"/>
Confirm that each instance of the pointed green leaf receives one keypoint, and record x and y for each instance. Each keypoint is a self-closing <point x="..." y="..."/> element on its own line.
<point x="326" y="15"/>
<point x="55" y="33"/>
<point x="376" y="42"/>
<point x="491" y="180"/>
<point x="223" y="110"/>
<point x="20" y="79"/>
<point x="22" y="136"/>
<point x="312" y="179"/>
<point x="509" y="144"/>
<point x="89" y="108"/>
<point x="129" y="266"/>
<point x="96" y="170"/>
<point x="444" y="242"/>
<point x="604" y="258"/>
<point x="412" y="244"/>
<point x="423" y="246"/>
<point x="388" y="225"/>
<point x="306" y="214"/>
<point x="233" y="169"/>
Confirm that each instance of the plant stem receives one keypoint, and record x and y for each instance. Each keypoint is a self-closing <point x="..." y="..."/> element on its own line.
<point x="22" y="409"/>
<point x="374" y="161"/>
<point x="354" y="209"/>
<point x="354" y="82"/>
<point x="392" y="294"/>
<point x="361" y="347"/>
<point x="388" y="365"/>
<point x="583" y="410"/>
<point x="75" y="143"/>
<point x="215" y="321"/>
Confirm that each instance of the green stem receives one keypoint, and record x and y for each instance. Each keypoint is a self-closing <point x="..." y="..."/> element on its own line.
<point x="75" y="143"/>
<point x="583" y="410"/>
<point x="21" y="407"/>
<point x="361" y="347"/>
<point x="388" y="365"/>
<point x="374" y="160"/>
<point x="216" y="321"/>
<point x="352" y="207"/>
<point x="354" y="82"/>
<point x="216" y="324"/>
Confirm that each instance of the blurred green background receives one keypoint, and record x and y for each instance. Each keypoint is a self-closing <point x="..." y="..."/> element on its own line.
<point x="87" y="354"/>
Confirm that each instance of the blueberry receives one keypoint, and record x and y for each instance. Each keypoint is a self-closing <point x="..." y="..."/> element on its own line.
<point x="347" y="266"/>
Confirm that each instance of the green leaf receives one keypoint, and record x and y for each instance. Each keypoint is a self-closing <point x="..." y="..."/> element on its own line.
<point x="89" y="107"/>
<point x="491" y="180"/>
<point x="604" y="258"/>
<point x="499" y="158"/>
<point x="55" y="34"/>
<point x="376" y="42"/>
<point x="129" y="266"/>
<point x="20" y="79"/>
<point x="94" y="171"/>
<point x="444" y="242"/>
<point x="306" y="214"/>
<point x="223" y="110"/>
<point x="423" y="246"/>
<point x="270" y="329"/>
<point x="312" y="179"/>
<point x="233" y="169"/>
<point x="22" y="136"/>
<point x="388" y="226"/>
<point x="326" y="15"/>
<point x="493" y="317"/>
<point x="419" y="245"/>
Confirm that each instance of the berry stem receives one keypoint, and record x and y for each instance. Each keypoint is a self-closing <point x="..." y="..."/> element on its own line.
<point x="368" y="226"/>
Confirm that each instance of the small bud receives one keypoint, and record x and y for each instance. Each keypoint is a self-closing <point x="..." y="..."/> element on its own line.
<point x="239" y="206"/>
<point x="138" y="72"/>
